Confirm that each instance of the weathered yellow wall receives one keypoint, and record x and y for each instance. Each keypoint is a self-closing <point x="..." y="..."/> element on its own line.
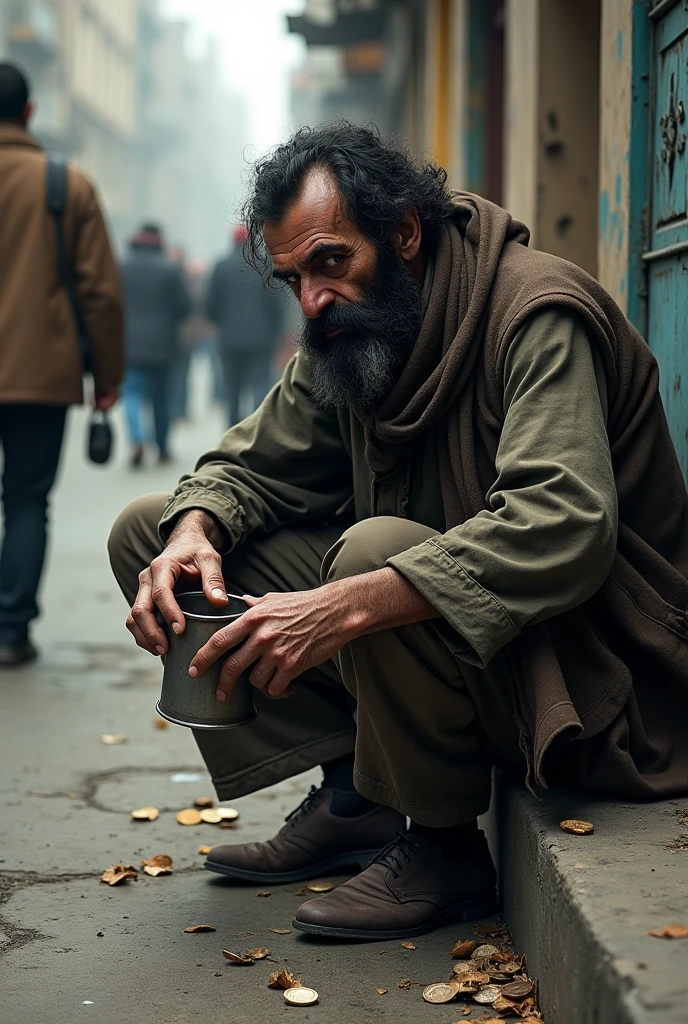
<point x="521" y="111"/>
<point x="458" y="98"/>
<point x="615" y="127"/>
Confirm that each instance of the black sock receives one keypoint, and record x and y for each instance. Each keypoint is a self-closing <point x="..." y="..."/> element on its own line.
<point x="458" y="843"/>
<point x="338" y="776"/>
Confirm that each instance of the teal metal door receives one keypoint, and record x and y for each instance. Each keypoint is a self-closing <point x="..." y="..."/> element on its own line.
<point x="667" y="257"/>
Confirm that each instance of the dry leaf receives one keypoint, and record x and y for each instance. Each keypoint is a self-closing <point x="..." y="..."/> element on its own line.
<point x="203" y="801"/>
<point x="160" y="723"/>
<point x="119" y="873"/>
<point x="463" y="948"/>
<point x="259" y="953"/>
<point x="283" y="979"/>
<point x="670" y="931"/>
<point x="263" y="893"/>
<point x="146" y="814"/>
<point x="405" y="983"/>
<point x="489" y="931"/>
<point x="113" y="739"/>
<point x="382" y="991"/>
<point x="204" y="849"/>
<point x="156" y="869"/>
<point x="210" y="816"/>
<point x="280" y="931"/>
<point x="407" y="945"/>
<point x="243" y="961"/>
<point x="159" y="860"/>
<point x="189" y="816"/>
<point x="201" y="928"/>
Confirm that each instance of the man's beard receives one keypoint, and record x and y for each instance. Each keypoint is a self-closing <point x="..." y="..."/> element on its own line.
<point x="360" y="366"/>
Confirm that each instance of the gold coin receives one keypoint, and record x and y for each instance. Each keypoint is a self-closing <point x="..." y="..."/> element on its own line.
<point x="517" y="989"/>
<point x="189" y="816"/>
<point x="484" y="952"/>
<point x="300" y="996"/>
<point x="210" y="816"/>
<point x="577" y="827"/>
<point x="319" y="886"/>
<point x="440" y="992"/>
<point x="487" y="995"/>
<point x="227" y="813"/>
<point x="462" y="968"/>
<point x="203" y="801"/>
<point x="145" y="814"/>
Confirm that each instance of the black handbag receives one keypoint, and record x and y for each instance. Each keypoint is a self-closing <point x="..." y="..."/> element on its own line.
<point x="99" y="437"/>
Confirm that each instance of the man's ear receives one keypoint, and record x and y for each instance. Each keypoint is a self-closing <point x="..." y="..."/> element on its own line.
<point x="407" y="236"/>
<point x="27" y="113"/>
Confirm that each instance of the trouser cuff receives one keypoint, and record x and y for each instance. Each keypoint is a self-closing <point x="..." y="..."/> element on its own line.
<point x="440" y="814"/>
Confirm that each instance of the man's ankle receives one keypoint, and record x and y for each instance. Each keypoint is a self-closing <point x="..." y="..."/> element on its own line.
<point x="458" y="843"/>
<point x="338" y="777"/>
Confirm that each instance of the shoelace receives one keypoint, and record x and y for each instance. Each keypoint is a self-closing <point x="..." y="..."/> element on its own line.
<point x="397" y="854"/>
<point x="305" y="806"/>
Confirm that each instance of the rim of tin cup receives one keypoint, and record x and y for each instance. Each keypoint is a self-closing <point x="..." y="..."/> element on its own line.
<point x="198" y="617"/>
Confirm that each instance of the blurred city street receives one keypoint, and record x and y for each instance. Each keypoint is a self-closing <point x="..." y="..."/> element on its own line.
<point x="73" y="946"/>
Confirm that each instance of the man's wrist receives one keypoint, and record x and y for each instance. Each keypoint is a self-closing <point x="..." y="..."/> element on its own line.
<point x="381" y="599"/>
<point x="197" y="520"/>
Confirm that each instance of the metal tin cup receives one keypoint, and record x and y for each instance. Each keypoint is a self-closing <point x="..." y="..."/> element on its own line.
<point x="192" y="702"/>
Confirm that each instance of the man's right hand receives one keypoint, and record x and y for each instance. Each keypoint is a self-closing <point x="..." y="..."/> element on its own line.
<point x="190" y="552"/>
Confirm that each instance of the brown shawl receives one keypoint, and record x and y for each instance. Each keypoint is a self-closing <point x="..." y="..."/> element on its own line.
<point x="583" y="672"/>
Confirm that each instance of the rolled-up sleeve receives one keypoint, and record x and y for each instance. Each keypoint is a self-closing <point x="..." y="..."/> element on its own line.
<point x="547" y="539"/>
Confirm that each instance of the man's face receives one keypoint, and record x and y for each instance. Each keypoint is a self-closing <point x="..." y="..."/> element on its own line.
<point x="361" y="304"/>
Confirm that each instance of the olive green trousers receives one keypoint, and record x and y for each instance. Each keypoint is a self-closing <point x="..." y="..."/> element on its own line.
<point x="426" y="728"/>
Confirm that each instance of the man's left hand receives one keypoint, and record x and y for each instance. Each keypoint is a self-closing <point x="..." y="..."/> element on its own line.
<point x="283" y="635"/>
<point x="105" y="399"/>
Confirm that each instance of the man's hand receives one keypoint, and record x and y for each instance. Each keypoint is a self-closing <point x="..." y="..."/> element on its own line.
<point x="105" y="399"/>
<point x="191" y="552"/>
<point x="282" y="635"/>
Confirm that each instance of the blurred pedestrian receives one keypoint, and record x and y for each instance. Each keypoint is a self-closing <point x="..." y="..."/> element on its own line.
<point x="249" y="321"/>
<point x="156" y="301"/>
<point x="41" y="365"/>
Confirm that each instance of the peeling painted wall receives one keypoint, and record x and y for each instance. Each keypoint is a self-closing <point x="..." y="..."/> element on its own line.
<point x="521" y="120"/>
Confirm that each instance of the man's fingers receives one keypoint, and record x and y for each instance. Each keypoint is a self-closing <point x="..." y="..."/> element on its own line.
<point x="142" y="616"/>
<point x="210" y="566"/>
<point x="218" y="645"/>
<point x="163" y="579"/>
<point x="140" y="637"/>
<point x="236" y="662"/>
<point x="279" y="686"/>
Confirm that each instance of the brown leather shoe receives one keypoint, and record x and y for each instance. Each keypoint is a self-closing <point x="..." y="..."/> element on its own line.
<point x="313" y="841"/>
<point x="410" y="888"/>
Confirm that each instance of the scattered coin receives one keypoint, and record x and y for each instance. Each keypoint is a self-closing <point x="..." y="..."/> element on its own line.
<point x="475" y="978"/>
<point x="670" y="931"/>
<point x="113" y="739"/>
<point x="465" y="967"/>
<point x="319" y="886"/>
<point x="189" y="816"/>
<point x="407" y="945"/>
<point x="244" y="961"/>
<point x="487" y="995"/>
<point x="259" y="953"/>
<point x="227" y="813"/>
<point x="577" y="827"/>
<point x="119" y="873"/>
<point x="463" y="948"/>
<point x="506" y="970"/>
<point x="517" y="989"/>
<point x="204" y="849"/>
<point x="210" y="816"/>
<point x="485" y="952"/>
<point x="160" y="723"/>
<point x="301" y="996"/>
<point x="203" y="801"/>
<point x="146" y="814"/>
<point x="441" y="992"/>
<point x="280" y="931"/>
<point x="201" y="928"/>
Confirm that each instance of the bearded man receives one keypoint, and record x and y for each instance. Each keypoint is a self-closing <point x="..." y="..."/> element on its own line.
<point x="462" y="527"/>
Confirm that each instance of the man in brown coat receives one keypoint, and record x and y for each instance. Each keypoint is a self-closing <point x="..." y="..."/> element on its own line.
<point x="462" y="532"/>
<point x="40" y="360"/>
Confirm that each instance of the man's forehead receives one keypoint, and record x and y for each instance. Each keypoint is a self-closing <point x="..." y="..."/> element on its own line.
<point x="314" y="218"/>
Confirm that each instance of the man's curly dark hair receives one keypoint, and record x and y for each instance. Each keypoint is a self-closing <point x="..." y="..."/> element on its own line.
<point x="378" y="182"/>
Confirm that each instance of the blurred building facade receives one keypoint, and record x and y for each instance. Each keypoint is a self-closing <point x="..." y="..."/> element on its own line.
<point x="118" y="92"/>
<point x="570" y="113"/>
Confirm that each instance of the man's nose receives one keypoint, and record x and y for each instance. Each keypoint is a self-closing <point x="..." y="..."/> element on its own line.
<point x="314" y="298"/>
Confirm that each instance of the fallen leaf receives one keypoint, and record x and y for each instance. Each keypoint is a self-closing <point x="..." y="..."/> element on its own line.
<point x="204" y="849"/>
<point x="119" y="873"/>
<point x="158" y="860"/>
<point x="201" y="928"/>
<point x="263" y="893"/>
<point x="204" y="801"/>
<point x="189" y="816"/>
<point x="113" y="739"/>
<point x="156" y="869"/>
<point x="280" y="931"/>
<point x="283" y="979"/>
<point x="244" y="961"/>
<point x="146" y="814"/>
<point x="670" y="931"/>
<point x="405" y="983"/>
<point x="160" y="723"/>
<point x="463" y="948"/>
<point x="489" y="931"/>
<point x="259" y="953"/>
<point x="382" y="991"/>
<point x="577" y="827"/>
<point x="210" y="816"/>
<point x="407" y="945"/>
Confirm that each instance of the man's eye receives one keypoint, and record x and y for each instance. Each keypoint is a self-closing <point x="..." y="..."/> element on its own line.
<point x="334" y="261"/>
